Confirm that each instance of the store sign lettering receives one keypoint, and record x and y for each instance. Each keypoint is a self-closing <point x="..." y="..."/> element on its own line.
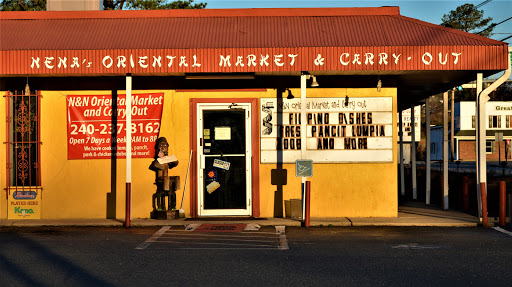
<point x="30" y="195"/>
<point x="91" y="131"/>
<point x="369" y="59"/>
<point x="19" y="210"/>
<point x="228" y="61"/>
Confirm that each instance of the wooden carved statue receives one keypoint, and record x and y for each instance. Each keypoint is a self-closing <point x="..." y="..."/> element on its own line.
<point x="166" y="185"/>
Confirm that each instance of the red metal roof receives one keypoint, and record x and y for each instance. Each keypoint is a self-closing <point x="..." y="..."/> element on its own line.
<point x="321" y="31"/>
<point x="193" y="29"/>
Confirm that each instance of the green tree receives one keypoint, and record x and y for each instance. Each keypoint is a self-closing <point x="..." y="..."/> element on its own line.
<point x="151" y="4"/>
<point x="22" y="5"/>
<point x="40" y="5"/>
<point x="469" y="19"/>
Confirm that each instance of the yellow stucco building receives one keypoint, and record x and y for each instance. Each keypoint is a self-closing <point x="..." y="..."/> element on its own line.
<point x="241" y="94"/>
<point x="79" y="188"/>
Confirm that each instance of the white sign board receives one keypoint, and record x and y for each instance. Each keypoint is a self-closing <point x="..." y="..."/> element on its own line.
<point x="407" y="124"/>
<point x="361" y="131"/>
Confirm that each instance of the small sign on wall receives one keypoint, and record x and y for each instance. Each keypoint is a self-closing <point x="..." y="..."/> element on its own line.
<point x="24" y="204"/>
<point x="303" y="168"/>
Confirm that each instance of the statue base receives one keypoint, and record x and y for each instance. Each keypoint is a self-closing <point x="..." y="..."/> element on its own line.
<point x="164" y="214"/>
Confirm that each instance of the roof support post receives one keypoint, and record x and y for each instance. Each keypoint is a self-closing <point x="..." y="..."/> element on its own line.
<point x="452" y="122"/>
<point x="479" y="80"/>
<point x="303" y="82"/>
<point x="428" y="140"/>
<point x="445" y="150"/>
<point x="413" y="155"/>
<point x="128" y="110"/>
<point x="401" y="155"/>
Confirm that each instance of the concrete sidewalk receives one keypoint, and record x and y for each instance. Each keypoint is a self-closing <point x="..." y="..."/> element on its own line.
<point x="410" y="214"/>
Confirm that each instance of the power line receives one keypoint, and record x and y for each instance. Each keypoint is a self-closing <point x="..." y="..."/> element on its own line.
<point x="506" y="38"/>
<point x="482" y="4"/>
<point x="493" y="25"/>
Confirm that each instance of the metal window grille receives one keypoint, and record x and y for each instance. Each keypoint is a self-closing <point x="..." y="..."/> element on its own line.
<point x="23" y="145"/>
<point x="507" y="119"/>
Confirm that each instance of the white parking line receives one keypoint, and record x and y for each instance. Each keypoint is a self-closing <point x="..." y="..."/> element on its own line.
<point x="179" y="239"/>
<point x="503" y="231"/>
<point x="155" y="236"/>
<point x="283" y="242"/>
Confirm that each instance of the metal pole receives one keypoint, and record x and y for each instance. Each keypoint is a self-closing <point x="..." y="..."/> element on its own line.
<point x="452" y="121"/>
<point x="128" y="150"/>
<point x="428" y="140"/>
<point x="303" y="79"/>
<point x="445" y="150"/>
<point x="413" y="155"/>
<point x="499" y="153"/>
<point x="480" y="121"/>
<point x="503" y="203"/>
<point x="402" y="172"/>
<point x="482" y="98"/>
<point x="484" y="205"/>
<point x="308" y="197"/>
<point x="303" y="82"/>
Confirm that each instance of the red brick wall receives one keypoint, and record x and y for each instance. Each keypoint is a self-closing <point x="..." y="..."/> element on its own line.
<point x="467" y="151"/>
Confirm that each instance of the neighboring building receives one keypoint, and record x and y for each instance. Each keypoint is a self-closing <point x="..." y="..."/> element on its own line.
<point x="226" y="88"/>
<point x="498" y="120"/>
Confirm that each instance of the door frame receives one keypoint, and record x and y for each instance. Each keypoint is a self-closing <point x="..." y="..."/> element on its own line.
<point x="255" y="150"/>
<point x="247" y="152"/>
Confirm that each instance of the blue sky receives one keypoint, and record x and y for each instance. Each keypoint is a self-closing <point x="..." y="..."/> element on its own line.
<point x="426" y="10"/>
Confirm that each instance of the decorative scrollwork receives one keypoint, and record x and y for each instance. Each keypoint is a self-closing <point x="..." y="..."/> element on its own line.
<point x="23" y="116"/>
<point x="23" y="165"/>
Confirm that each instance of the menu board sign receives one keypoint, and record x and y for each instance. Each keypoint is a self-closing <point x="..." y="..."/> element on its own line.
<point x="357" y="130"/>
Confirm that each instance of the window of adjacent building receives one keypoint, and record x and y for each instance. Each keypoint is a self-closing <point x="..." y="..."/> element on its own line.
<point x="495" y="122"/>
<point x="508" y="119"/>
<point x="23" y="153"/>
<point x="489" y="146"/>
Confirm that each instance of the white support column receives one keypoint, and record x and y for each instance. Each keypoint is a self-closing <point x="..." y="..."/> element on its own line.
<point x="413" y="155"/>
<point x="480" y="121"/>
<point x="445" y="150"/>
<point x="452" y="126"/>
<point x="428" y="142"/>
<point x="402" y="172"/>
<point x="128" y="111"/>
<point x="303" y="83"/>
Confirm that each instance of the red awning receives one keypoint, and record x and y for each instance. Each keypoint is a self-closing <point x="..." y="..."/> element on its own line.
<point x="322" y="40"/>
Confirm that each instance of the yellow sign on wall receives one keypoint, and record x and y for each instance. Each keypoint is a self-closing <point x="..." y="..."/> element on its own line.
<point x="24" y="204"/>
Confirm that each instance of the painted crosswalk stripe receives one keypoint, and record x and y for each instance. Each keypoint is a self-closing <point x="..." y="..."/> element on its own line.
<point x="152" y="239"/>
